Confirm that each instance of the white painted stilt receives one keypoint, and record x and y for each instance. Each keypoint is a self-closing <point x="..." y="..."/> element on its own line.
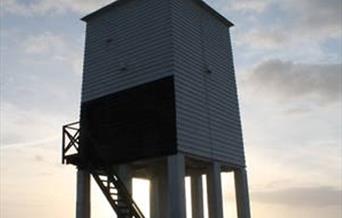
<point x="125" y="174"/>
<point x="162" y="192"/>
<point x="197" y="195"/>
<point x="215" y="203"/>
<point x="158" y="193"/>
<point x="242" y="196"/>
<point x="176" y="186"/>
<point x="83" y="194"/>
<point x="154" y="196"/>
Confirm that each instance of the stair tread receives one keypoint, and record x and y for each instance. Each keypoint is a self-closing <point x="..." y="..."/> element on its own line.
<point x="121" y="200"/>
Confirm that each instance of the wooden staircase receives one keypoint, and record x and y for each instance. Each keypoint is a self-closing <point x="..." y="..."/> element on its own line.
<point x="107" y="179"/>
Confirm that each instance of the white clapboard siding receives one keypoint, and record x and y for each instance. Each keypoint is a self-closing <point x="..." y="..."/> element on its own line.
<point x="152" y="39"/>
<point x="208" y="121"/>
<point x="135" y="35"/>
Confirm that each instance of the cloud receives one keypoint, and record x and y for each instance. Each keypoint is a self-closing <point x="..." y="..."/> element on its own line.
<point x="39" y="158"/>
<point x="263" y="39"/>
<point x="27" y="126"/>
<point x="43" y="7"/>
<point x="297" y="111"/>
<point x="301" y="197"/>
<point x="48" y="7"/>
<point x="286" y="25"/>
<point x="313" y="14"/>
<point x="43" y="180"/>
<point x="55" y="47"/>
<point x="319" y="84"/>
<point x="45" y="43"/>
<point x="316" y="16"/>
<point x="248" y="5"/>
<point x="37" y="80"/>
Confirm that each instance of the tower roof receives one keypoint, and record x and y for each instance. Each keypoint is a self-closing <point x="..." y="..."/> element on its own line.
<point x="120" y="2"/>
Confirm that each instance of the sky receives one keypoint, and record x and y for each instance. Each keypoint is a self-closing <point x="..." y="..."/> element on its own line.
<point x="288" y="62"/>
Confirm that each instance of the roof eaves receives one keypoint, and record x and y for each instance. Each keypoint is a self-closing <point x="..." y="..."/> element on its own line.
<point x="120" y="2"/>
<point x="215" y="13"/>
<point x="103" y="9"/>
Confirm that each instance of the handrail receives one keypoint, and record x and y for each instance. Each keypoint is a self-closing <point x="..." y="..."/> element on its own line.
<point x="113" y="178"/>
<point x="70" y="140"/>
<point x="122" y="188"/>
<point x="70" y="147"/>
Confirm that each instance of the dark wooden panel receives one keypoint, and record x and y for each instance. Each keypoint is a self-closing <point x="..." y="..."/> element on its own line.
<point x="132" y="124"/>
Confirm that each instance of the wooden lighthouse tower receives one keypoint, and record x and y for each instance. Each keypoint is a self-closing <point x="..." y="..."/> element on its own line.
<point x="159" y="101"/>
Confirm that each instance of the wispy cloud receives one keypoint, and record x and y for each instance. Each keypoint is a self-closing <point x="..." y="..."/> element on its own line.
<point x="45" y="44"/>
<point x="320" y="84"/>
<point x="302" y="196"/>
<point x="263" y="39"/>
<point x="49" y="7"/>
<point x="23" y="165"/>
<point x="56" y="47"/>
<point x="284" y="26"/>
<point x="37" y="75"/>
<point x="305" y="14"/>
<point x="26" y="126"/>
<point x="248" y="5"/>
<point x="323" y="18"/>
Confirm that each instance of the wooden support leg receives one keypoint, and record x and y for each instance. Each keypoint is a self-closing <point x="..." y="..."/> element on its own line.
<point x="215" y="202"/>
<point x="242" y="196"/>
<point x="83" y="194"/>
<point x="176" y="186"/>
<point x="197" y="195"/>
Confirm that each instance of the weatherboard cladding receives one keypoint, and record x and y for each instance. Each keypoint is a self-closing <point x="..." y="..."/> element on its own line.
<point x="118" y="3"/>
<point x="135" y="36"/>
<point x="153" y="39"/>
<point x="208" y="122"/>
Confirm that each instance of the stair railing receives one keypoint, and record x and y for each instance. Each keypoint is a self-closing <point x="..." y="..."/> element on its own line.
<point x="70" y="147"/>
<point x="70" y="140"/>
